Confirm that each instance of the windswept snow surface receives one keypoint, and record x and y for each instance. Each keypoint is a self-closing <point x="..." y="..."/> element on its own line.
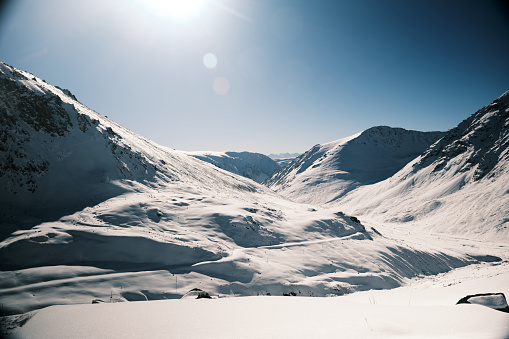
<point x="327" y="172"/>
<point x="424" y="309"/>
<point x="460" y="185"/>
<point x="255" y="166"/>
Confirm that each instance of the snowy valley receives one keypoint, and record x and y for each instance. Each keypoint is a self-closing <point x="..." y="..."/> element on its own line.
<point x="93" y="212"/>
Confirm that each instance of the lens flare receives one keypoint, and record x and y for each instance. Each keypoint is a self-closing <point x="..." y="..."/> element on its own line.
<point x="210" y="60"/>
<point x="221" y="86"/>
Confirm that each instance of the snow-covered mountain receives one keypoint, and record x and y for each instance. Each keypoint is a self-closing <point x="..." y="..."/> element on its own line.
<point x="283" y="159"/>
<point x="57" y="156"/>
<point x="460" y="185"/>
<point x="284" y="162"/>
<point x="327" y="172"/>
<point x="255" y="166"/>
<point x="91" y="210"/>
<point x="283" y="155"/>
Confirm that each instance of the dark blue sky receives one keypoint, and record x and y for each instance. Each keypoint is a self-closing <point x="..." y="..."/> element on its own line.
<point x="289" y="73"/>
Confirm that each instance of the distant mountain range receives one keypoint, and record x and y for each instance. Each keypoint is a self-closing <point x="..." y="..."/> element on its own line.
<point x="283" y="155"/>
<point x="255" y="166"/>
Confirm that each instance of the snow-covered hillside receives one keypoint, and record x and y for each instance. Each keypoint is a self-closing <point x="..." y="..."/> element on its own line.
<point x="57" y="156"/>
<point x="460" y="185"/>
<point x="255" y="166"/>
<point x="327" y="172"/>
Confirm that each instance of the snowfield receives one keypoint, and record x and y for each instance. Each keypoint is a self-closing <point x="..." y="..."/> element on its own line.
<point x="424" y="309"/>
<point x="92" y="212"/>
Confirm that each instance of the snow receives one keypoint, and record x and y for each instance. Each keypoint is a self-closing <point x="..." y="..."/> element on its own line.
<point x="284" y="161"/>
<point x="141" y="222"/>
<point x="421" y="310"/>
<point x="459" y="185"/>
<point x="329" y="171"/>
<point x="255" y="166"/>
<point x="283" y="155"/>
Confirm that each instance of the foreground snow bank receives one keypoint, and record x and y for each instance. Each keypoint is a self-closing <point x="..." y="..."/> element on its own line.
<point x="425" y="308"/>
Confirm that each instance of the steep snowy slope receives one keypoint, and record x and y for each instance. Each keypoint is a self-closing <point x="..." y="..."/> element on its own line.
<point x="91" y="210"/>
<point x="460" y="185"/>
<point x="327" y="172"/>
<point x="255" y="166"/>
<point x="57" y="156"/>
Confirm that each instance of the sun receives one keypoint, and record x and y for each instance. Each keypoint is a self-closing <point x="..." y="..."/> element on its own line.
<point x="178" y="9"/>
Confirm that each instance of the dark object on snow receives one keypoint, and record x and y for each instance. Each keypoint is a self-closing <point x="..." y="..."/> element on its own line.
<point x="200" y="294"/>
<point x="496" y="301"/>
<point x="203" y="294"/>
<point x="354" y="219"/>
<point x="97" y="301"/>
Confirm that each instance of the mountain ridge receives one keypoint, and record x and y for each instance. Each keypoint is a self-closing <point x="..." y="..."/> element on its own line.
<point x="459" y="185"/>
<point x="255" y="166"/>
<point x="328" y="171"/>
<point x="48" y="137"/>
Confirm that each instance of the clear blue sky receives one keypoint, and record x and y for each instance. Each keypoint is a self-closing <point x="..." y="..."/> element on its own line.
<point x="288" y="74"/>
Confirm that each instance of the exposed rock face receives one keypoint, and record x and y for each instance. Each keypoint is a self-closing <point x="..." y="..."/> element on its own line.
<point x="496" y="301"/>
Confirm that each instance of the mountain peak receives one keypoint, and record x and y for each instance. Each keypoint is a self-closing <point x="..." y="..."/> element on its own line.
<point x="328" y="171"/>
<point x="458" y="185"/>
<point x="57" y="155"/>
<point x="478" y="142"/>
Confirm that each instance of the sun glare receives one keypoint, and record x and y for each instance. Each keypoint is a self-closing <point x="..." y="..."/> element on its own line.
<point x="178" y="9"/>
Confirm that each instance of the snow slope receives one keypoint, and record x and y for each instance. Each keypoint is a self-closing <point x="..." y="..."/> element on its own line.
<point x="424" y="309"/>
<point x="255" y="166"/>
<point x="460" y="185"/>
<point x="57" y="156"/>
<point x="327" y="172"/>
